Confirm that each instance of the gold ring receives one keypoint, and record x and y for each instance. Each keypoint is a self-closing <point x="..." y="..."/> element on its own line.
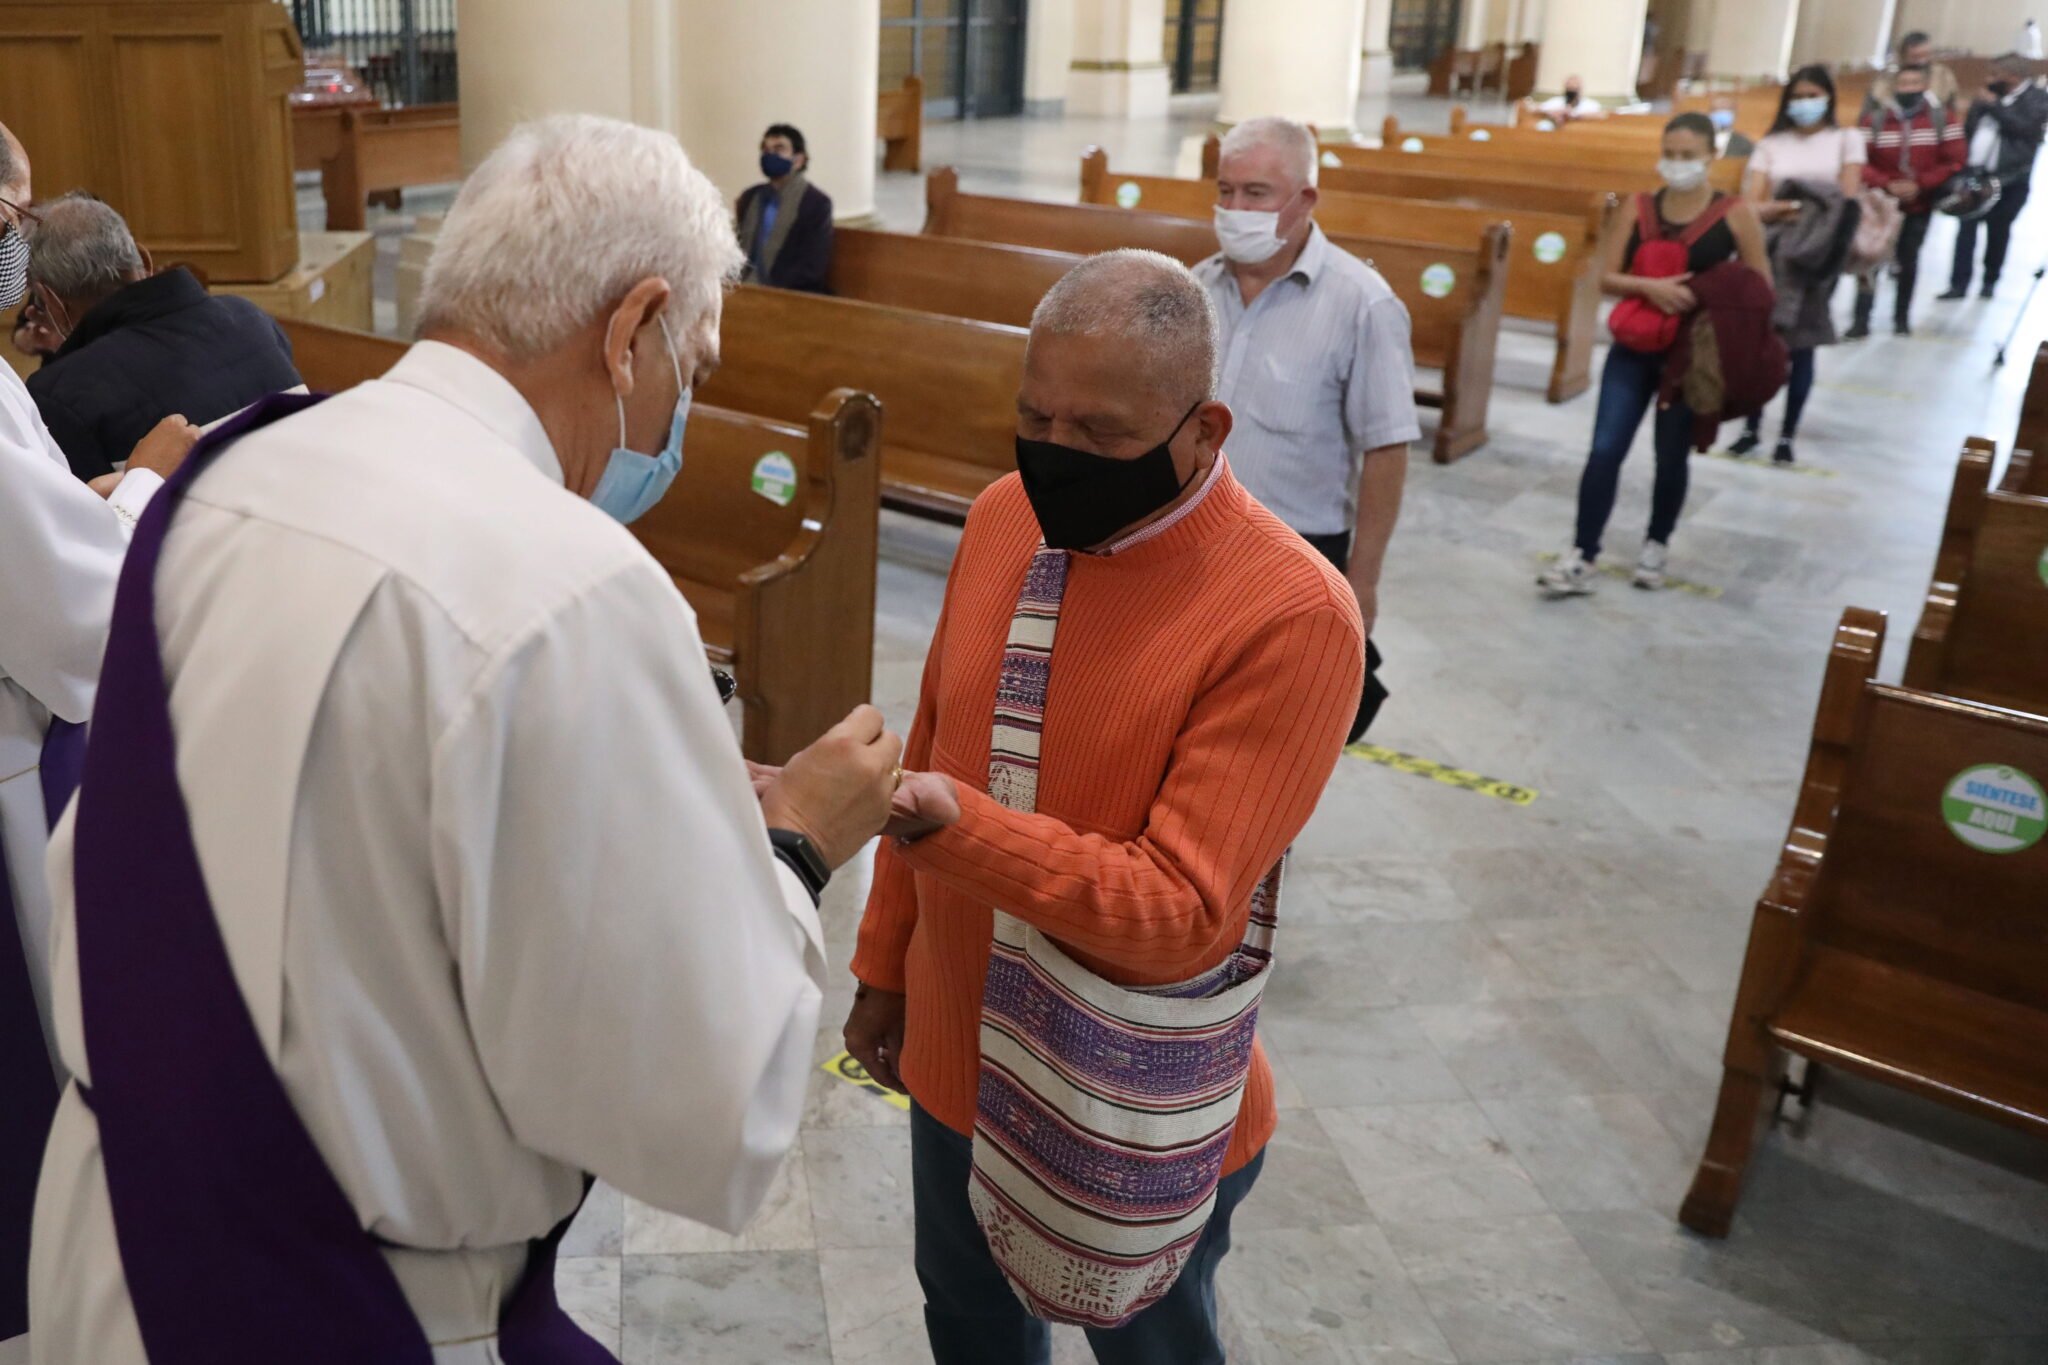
<point x="899" y="775"/>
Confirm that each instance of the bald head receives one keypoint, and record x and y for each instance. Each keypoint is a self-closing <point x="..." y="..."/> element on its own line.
<point x="1152" y="310"/>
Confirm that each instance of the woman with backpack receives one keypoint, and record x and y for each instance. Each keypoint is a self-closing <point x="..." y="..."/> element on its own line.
<point x="1685" y="228"/>
<point x="1802" y="180"/>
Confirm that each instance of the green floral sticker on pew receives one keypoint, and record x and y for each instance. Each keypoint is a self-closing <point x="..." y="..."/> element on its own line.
<point x="1411" y="144"/>
<point x="1332" y="159"/>
<point x="775" y="478"/>
<point x="1439" y="280"/>
<point x="1128" y="194"/>
<point x="2043" y="566"/>
<point x="1995" y="809"/>
<point x="1550" y="247"/>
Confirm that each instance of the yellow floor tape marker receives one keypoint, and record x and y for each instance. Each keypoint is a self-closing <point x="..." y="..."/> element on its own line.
<point x="1437" y="772"/>
<point x="853" y="1073"/>
<point x="1613" y="570"/>
<point x="1811" y="471"/>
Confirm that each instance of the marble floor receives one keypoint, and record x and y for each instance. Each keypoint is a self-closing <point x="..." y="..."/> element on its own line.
<point x="1497" y="1025"/>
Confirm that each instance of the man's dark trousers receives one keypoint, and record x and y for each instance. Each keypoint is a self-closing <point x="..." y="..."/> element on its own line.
<point x="1997" y="226"/>
<point x="973" y="1316"/>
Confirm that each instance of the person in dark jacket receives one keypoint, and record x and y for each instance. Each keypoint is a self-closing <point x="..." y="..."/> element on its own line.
<point x="2004" y="132"/>
<point x="136" y="347"/>
<point x="1915" y="144"/>
<point x="785" y="225"/>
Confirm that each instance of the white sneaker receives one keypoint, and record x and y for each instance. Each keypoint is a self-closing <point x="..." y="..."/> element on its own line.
<point x="1650" y="564"/>
<point x="1570" y="576"/>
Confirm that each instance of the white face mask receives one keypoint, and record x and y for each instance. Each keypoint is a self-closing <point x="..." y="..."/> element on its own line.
<point x="1249" y="236"/>
<point x="1682" y="175"/>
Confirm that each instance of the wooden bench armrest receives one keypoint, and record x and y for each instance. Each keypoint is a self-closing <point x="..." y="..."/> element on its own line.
<point x="1925" y="657"/>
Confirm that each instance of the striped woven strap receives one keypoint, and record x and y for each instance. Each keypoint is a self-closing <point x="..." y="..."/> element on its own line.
<point x="1020" y="691"/>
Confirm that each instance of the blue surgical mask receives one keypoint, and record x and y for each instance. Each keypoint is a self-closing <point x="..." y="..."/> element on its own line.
<point x="1722" y="119"/>
<point x="1808" y="111"/>
<point x="632" y="483"/>
<point x="775" y="167"/>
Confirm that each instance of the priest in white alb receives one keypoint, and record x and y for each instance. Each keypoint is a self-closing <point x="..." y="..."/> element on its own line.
<point x="415" y="877"/>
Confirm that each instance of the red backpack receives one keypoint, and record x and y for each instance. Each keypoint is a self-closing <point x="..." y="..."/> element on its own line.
<point x="1636" y="322"/>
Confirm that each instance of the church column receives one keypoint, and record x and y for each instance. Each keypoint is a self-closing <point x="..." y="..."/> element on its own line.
<point x="1048" y="57"/>
<point x="1834" y="31"/>
<point x="1119" y="65"/>
<point x="1752" y="40"/>
<point x="1528" y="25"/>
<point x="1599" y="41"/>
<point x="1294" y="59"/>
<point x="1376" y="53"/>
<point x="524" y="58"/>
<point x="1475" y="23"/>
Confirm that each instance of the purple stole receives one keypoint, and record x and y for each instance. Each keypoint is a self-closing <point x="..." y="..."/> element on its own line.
<point x="26" y="1080"/>
<point x="239" y="1246"/>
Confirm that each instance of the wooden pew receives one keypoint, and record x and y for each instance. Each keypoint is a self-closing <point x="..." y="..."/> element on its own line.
<point x="899" y="122"/>
<point x="1904" y="934"/>
<point x="1535" y="155"/>
<point x="2024" y="471"/>
<point x="1480" y="166"/>
<point x="1456" y="331"/>
<point x="1630" y="130"/>
<point x="783" y="586"/>
<point x="364" y="151"/>
<point x="948" y="384"/>
<point x="1983" y="634"/>
<point x="1554" y="278"/>
<point x="1521" y="77"/>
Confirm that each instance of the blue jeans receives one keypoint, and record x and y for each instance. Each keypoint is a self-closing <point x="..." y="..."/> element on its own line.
<point x="1628" y="386"/>
<point x="972" y="1315"/>
<point x="1798" y="385"/>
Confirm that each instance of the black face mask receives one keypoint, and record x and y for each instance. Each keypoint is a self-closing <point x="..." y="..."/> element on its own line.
<point x="1571" y="97"/>
<point x="2001" y="88"/>
<point x="1082" y="499"/>
<point x="1910" y="103"/>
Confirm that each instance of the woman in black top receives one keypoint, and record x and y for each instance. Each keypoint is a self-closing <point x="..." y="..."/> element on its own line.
<point x="1628" y="383"/>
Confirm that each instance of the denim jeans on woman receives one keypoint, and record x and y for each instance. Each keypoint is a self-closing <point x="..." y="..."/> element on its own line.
<point x="1628" y="387"/>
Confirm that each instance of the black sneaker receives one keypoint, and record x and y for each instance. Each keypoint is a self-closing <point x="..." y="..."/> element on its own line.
<point x="1857" y="331"/>
<point x="1951" y="295"/>
<point x="1902" y="328"/>
<point x="1989" y="290"/>
<point x="1747" y="442"/>
<point x="1783" y="453"/>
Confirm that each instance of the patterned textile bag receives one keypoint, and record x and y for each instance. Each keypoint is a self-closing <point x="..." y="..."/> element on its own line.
<point x="1104" y="1111"/>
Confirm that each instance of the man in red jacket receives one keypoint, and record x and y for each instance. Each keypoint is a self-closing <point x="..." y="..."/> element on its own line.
<point x="1914" y="145"/>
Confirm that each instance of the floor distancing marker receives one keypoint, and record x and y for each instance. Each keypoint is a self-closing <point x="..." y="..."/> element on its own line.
<point x="1438" y="772"/>
<point x="1811" y="471"/>
<point x="1610" y="569"/>
<point x="853" y="1073"/>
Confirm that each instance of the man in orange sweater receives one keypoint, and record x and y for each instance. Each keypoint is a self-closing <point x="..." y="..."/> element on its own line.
<point x="1207" y="666"/>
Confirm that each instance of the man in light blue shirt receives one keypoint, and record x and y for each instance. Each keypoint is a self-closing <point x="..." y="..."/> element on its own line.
<point x="1317" y="365"/>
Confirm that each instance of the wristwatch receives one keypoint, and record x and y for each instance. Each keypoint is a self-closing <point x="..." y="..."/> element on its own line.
<point x="800" y="855"/>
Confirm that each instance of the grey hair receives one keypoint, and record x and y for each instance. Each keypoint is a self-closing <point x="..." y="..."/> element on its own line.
<point x="1150" y="300"/>
<point x="1295" y="143"/>
<point x="565" y="216"/>
<point x="10" y="165"/>
<point x="80" y="248"/>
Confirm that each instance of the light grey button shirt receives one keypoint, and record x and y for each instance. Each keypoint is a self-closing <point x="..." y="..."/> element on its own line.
<point x="1317" y="371"/>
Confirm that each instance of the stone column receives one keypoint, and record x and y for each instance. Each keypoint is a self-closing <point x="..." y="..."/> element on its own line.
<point x="1832" y="31"/>
<point x="1475" y="22"/>
<point x="1528" y="25"/>
<point x="1294" y="61"/>
<point x="524" y="58"/>
<point x="1752" y="40"/>
<point x="814" y="66"/>
<point x="1599" y="41"/>
<point x="1119" y="65"/>
<point x="1048" y="57"/>
<point x="1375" y="50"/>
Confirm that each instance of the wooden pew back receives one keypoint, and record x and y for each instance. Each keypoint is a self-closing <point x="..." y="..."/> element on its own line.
<point x="2027" y="471"/>
<point x="1984" y="632"/>
<point x="1540" y="156"/>
<point x="1085" y="229"/>
<point x="986" y="281"/>
<point x="899" y="123"/>
<point x="948" y="385"/>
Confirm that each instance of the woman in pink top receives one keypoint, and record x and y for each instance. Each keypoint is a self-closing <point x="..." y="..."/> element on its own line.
<point x="1806" y="154"/>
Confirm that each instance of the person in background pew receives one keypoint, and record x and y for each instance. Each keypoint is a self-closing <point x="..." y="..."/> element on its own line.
<point x="1630" y="379"/>
<point x="1914" y="144"/>
<point x="785" y="223"/>
<point x="1915" y="48"/>
<point x="2005" y="128"/>
<point x="1317" y="365"/>
<point x="136" y="346"/>
<point x="1802" y="181"/>
<point x="459" y="889"/>
<point x="1204" y="664"/>
<point x="1570" y="103"/>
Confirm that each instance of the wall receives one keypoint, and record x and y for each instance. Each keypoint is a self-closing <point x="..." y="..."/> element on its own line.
<point x="1751" y="39"/>
<point x="524" y="58"/>
<point x="1048" y="53"/>
<point x="1836" y="31"/>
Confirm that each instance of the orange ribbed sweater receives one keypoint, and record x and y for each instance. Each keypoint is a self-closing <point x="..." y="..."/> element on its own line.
<point x="1202" y="683"/>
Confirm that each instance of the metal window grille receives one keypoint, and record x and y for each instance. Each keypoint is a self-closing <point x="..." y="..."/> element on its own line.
<point x="405" y="49"/>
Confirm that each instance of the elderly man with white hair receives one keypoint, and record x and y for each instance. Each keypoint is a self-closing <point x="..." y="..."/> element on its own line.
<point x="1139" y="684"/>
<point x="416" y="876"/>
<point x="1317" y="365"/>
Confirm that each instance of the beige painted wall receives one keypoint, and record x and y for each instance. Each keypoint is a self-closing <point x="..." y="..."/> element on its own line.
<point x="1119" y="62"/>
<point x="525" y="58"/>
<point x="1601" y="41"/>
<point x="1835" y="31"/>
<point x="1294" y="60"/>
<point x="1048" y="51"/>
<point x="1751" y="39"/>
